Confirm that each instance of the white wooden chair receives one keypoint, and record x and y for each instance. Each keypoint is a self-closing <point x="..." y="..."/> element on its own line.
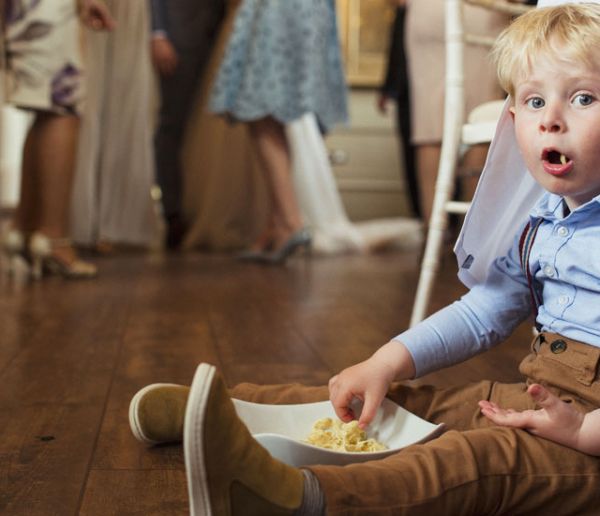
<point x="458" y="134"/>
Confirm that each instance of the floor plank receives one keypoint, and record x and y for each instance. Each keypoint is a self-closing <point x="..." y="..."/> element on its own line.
<point x="142" y="493"/>
<point x="45" y="450"/>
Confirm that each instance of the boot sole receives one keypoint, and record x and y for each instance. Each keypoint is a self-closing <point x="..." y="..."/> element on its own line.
<point x="134" y="420"/>
<point x="193" y="441"/>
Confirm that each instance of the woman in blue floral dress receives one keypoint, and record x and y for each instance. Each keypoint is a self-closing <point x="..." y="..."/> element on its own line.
<point x="282" y="61"/>
<point x="43" y="74"/>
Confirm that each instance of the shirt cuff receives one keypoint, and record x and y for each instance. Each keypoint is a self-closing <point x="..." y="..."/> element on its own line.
<point x="160" y="34"/>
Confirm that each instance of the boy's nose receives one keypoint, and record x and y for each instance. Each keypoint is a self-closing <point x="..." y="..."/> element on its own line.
<point x="551" y="127"/>
<point x="552" y="121"/>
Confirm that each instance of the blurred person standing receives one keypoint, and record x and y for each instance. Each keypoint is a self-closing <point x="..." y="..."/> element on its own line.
<point x="396" y="88"/>
<point x="112" y="201"/>
<point x="227" y="197"/>
<point x="282" y="61"/>
<point x="44" y="76"/>
<point x="425" y="50"/>
<point x="183" y="34"/>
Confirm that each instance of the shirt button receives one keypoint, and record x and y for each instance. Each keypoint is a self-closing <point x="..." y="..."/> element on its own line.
<point x="563" y="231"/>
<point x="563" y="300"/>
<point x="549" y="271"/>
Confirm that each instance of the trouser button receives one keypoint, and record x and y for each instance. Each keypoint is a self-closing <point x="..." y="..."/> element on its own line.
<point x="558" y="346"/>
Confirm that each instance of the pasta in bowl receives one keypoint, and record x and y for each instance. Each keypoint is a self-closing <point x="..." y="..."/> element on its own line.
<point x="284" y="430"/>
<point x="334" y="434"/>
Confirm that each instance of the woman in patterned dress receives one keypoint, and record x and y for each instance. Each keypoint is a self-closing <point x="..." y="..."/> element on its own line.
<point x="43" y="75"/>
<point x="282" y="61"/>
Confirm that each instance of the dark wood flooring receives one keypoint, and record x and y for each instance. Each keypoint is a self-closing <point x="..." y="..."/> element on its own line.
<point x="73" y="353"/>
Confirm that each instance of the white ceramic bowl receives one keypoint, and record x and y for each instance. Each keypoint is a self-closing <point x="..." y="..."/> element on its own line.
<point x="281" y="429"/>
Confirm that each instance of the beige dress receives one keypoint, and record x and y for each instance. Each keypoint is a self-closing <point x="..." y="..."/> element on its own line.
<point x="115" y="166"/>
<point x="426" y="56"/>
<point x="224" y="193"/>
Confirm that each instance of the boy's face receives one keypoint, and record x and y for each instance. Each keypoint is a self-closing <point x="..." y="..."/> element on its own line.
<point x="557" y="122"/>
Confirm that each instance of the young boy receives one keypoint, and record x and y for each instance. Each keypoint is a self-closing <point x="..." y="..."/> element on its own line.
<point x="541" y="455"/>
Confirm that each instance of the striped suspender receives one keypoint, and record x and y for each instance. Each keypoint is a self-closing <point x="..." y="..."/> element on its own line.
<point x="525" y="245"/>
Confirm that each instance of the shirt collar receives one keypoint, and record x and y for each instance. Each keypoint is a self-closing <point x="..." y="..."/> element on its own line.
<point x="551" y="207"/>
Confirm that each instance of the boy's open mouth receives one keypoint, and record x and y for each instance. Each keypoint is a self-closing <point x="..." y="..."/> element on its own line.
<point x="555" y="157"/>
<point x="556" y="163"/>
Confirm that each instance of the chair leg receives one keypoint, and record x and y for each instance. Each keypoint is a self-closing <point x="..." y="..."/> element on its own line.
<point x="429" y="266"/>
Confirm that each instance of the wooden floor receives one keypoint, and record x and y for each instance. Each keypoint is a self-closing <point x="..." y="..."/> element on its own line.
<point x="73" y="353"/>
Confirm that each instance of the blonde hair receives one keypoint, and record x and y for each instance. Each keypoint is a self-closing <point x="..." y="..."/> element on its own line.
<point x="569" y="32"/>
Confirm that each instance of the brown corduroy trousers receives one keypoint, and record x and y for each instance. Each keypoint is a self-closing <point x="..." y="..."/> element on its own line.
<point x="475" y="468"/>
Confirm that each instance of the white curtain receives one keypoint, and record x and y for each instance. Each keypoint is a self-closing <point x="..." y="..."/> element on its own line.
<point x="115" y="164"/>
<point x="321" y="204"/>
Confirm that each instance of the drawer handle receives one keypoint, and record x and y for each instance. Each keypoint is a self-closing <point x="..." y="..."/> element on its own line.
<point x="338" y="157"/>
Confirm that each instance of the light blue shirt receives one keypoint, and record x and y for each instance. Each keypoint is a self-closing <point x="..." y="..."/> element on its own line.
<point x="565" y="264"/>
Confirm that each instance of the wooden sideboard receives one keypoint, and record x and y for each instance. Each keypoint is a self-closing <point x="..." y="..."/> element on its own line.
<point x="366" y="161"/>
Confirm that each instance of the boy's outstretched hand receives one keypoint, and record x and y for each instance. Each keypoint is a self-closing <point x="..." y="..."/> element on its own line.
<point x="555" y="420"/>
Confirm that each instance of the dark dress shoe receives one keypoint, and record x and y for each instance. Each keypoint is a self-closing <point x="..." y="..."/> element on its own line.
<point x="176" y="230"/>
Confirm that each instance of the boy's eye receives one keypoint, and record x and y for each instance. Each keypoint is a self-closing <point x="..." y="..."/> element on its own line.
<point x="583" y="99"/>
<point x="536" y="103"/>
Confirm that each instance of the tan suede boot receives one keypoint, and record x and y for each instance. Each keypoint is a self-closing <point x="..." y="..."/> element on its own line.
<point x="228" y="472"/>
<point x="156" y="413"/>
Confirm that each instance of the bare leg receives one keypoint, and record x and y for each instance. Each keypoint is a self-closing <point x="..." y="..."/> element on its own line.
<point x="266" y="238"/>
<point x="428" y="159"/>
<point x="472" y="165"/>
<point x="48" y="168"/>
<point x="273" y="151"/>
<point x="55" y="159"/>
<point x="27" y="214"/>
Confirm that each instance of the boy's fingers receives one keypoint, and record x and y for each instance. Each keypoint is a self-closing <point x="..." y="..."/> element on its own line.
<point x="545" y="399"/>
<point x="341" y="402"/>
<point x="345" y="415"/>
<point x="342" y="411"/>
<point x="542" y="396"/>
<point x="505" y="418"/>
<point x="489" y="406"/>
<point x="369" y="410"/>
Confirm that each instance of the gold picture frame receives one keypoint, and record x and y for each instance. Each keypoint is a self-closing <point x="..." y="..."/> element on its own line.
<point x="364" y="27"/>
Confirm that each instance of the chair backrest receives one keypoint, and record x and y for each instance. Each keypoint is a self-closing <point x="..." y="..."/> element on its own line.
<point x="456" y="39"/>
<point x="457" y="133"/>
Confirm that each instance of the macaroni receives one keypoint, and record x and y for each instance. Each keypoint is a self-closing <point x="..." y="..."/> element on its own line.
<point x="339" y="436"/>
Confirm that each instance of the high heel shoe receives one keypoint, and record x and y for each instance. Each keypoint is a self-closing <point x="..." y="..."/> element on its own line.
<point x="259" y="250"/>
<point x="300" y="239"/>
<point x="13" y="246"/>
<point x="45" y="260"/>
<point x="251" y="255"/>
